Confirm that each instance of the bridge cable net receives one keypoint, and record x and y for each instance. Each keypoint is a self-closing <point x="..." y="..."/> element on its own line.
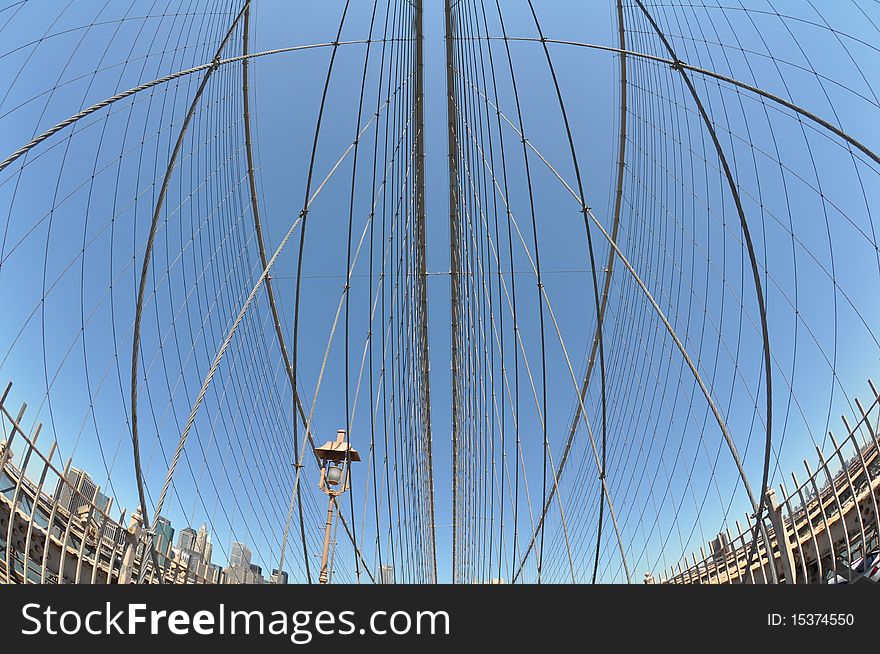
<point x="657" y="325"/>
<point x="201" y="291"/>
<point x="663" y="271"/>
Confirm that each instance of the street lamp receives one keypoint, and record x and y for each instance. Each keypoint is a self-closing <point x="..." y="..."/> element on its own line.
<point x="336" y="457"/>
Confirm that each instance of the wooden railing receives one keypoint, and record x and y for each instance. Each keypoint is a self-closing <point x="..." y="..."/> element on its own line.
<point x="42" y="541"/>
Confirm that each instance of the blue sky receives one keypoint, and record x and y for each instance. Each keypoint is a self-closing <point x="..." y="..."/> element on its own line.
<point x="810" y="204"/>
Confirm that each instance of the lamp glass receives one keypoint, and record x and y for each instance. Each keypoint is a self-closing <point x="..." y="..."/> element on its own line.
<point x="334" y="475"/>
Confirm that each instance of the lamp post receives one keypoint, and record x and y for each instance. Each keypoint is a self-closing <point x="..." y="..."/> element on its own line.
<point x="336" y="457"/>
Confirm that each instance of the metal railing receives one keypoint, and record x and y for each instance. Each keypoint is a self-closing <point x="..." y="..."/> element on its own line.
<point x="828" y="520"/>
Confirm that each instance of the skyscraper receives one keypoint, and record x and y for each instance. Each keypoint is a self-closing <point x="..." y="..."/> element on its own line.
<point x="240" y="556"/>
<point x="202" y="546"/>
<point x="213" y="573"/>
<point x="101" y="501"/>
<point x="114" y="532"/>
<point x="278" y="577"/>
<point x="73" y="494"/>
<point x="164" y="535"/>
<point x="256" y="575"/>
<point x="386" y="574"/>
<point x="79" y="491"/>
<point x="186" y="541"/>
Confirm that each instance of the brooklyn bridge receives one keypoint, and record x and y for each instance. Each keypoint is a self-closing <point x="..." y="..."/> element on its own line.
<point x="475" y="291"/>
